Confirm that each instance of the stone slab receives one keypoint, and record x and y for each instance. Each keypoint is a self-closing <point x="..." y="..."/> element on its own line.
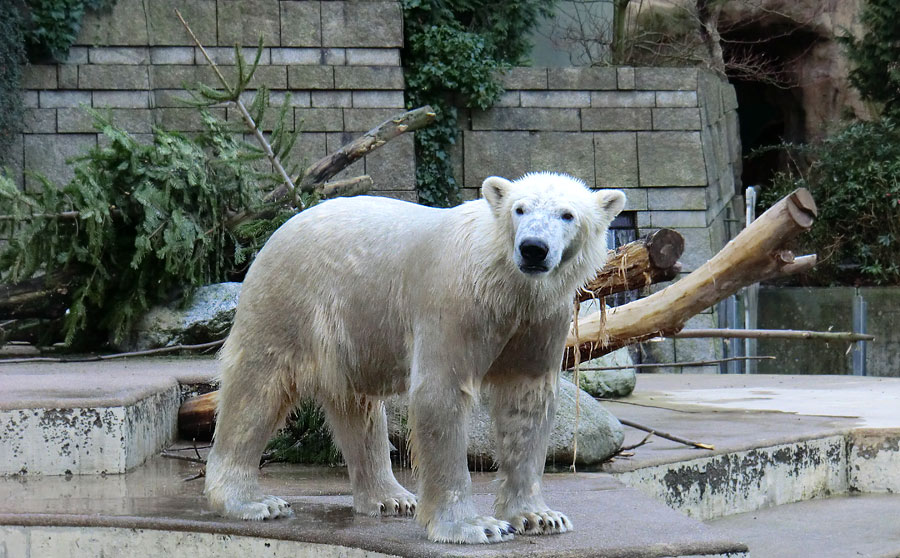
<point x="616" y="160"/>
<point x="362" y="24"/>
<point x="155" y="497"/>
<point x="671" y="159"/>
<point x="512" y="154"/>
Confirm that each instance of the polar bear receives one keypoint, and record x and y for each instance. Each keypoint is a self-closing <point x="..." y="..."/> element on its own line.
<point x="360" y="298"/>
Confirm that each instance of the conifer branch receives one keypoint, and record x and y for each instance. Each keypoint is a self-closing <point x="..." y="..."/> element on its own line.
<point x="235" y="93"/>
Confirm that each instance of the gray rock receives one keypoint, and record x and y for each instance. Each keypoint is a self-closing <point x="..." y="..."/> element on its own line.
<point x="600" y="434"/>
<point x="206" y="316"/>
<point x="608" y="383"/>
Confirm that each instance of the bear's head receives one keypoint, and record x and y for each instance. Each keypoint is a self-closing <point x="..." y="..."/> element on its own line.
<point x="553" y="220"/>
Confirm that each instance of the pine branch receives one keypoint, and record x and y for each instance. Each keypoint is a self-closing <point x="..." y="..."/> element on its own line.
<point x="242" y="109"/>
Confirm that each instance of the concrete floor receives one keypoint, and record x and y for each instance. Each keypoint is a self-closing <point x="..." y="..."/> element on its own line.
<point x="857" y="525"/>
<point x="734" y="413"/>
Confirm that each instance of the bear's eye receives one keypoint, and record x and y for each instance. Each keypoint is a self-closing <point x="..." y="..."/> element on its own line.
<point x="520" y="211"/>
<point x="567" y="216"/>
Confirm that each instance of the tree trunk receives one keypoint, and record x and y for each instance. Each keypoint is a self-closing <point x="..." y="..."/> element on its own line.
<point x="756" y="254"/>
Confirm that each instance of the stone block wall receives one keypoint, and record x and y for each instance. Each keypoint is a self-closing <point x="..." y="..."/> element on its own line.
<point x="340" y="61"/>
<point x="668" y="137"/>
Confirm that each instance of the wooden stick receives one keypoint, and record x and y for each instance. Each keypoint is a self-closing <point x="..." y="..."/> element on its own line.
<point x="159" y="351"/>
<point x="770" y="334"/>
<point x="348" y="187"/>
<point x="676" y="364"/>
<point x="667" y="436"/>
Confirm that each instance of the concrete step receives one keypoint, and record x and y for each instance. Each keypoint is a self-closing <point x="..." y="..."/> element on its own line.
<point x="856" y="525"/>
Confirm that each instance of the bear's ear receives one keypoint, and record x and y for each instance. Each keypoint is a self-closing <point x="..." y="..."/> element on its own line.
<point x="611" y="202"/>
<point x="495" y="189"/>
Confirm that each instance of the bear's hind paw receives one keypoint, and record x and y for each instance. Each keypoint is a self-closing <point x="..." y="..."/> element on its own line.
<point x="481" y="529"/>
<point x="269" y="507"/>
<point x="547" y="522"/>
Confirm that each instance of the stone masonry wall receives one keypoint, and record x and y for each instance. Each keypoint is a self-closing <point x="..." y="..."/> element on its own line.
<point x="339" y="60"/>
<point x="668" y="137"/>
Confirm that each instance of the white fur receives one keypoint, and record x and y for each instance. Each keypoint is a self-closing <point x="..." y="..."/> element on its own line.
<point x="359" y="298"/>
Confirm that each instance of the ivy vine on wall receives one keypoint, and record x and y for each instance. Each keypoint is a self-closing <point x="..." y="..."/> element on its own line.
<point x="45" y="30"/>
<point x="454" y="52"/>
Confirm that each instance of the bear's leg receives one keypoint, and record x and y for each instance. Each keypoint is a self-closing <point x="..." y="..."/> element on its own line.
<point x="438" y="412"/>
<point x="523" y="410"/>
<point x="359" y="426"/>
<point x="247" y="416"/>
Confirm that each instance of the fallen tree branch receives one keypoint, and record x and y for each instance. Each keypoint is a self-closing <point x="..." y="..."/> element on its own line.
<point x="667" y="436"/>
<point x="348" y="187"/>
<point x="40" y="297"/>
<point x="327" y="167"/>
<point x="148" y="352"/>
<point x="315" y="177"/>
<point x="770" y="334"/>
<point x="757" y="253"/>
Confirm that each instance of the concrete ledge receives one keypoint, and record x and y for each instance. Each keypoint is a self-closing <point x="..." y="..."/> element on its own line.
<point x="87" y="440"/>
<point x="90" y="418"/>
<point x="722" y="485"/>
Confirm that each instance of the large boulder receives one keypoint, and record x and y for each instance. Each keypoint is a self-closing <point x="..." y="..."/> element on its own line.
<point x="600" y="434"/>
<point x="206" y="316"/>
<point x="607" y="384"/>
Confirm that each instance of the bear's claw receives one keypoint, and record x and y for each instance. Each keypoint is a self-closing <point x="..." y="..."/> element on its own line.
<point x="401" y="504"/>
<point x="547" y="522"/>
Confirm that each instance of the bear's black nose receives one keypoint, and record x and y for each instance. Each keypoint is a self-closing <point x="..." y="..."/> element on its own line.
<point x="533" y="251"/>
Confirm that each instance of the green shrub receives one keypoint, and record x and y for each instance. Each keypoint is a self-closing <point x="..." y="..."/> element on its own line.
<point x="305" y="439"/>
<point x="151" y="223"/>
<point x="855" y="180"/>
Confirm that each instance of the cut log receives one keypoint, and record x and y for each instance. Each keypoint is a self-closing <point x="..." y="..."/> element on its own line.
<point x="756" y="254"/>
<point x="197" y="417"/>
<point x="648" y="260"/>
<point x="46" y="296"/>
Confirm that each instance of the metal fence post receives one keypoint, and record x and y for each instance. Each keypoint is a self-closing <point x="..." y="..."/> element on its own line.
<point x="751" y="294"/>
<point x="858" y="354"/>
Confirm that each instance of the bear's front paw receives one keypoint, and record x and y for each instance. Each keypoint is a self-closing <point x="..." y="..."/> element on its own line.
<point x="267" y="507"/>
<point x="547" y="522"/>
<point x="400" y="503"/>
<point x="481" y="529"/>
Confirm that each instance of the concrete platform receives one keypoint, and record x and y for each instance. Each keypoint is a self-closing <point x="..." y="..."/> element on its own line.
<point x="778" y="440"/>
